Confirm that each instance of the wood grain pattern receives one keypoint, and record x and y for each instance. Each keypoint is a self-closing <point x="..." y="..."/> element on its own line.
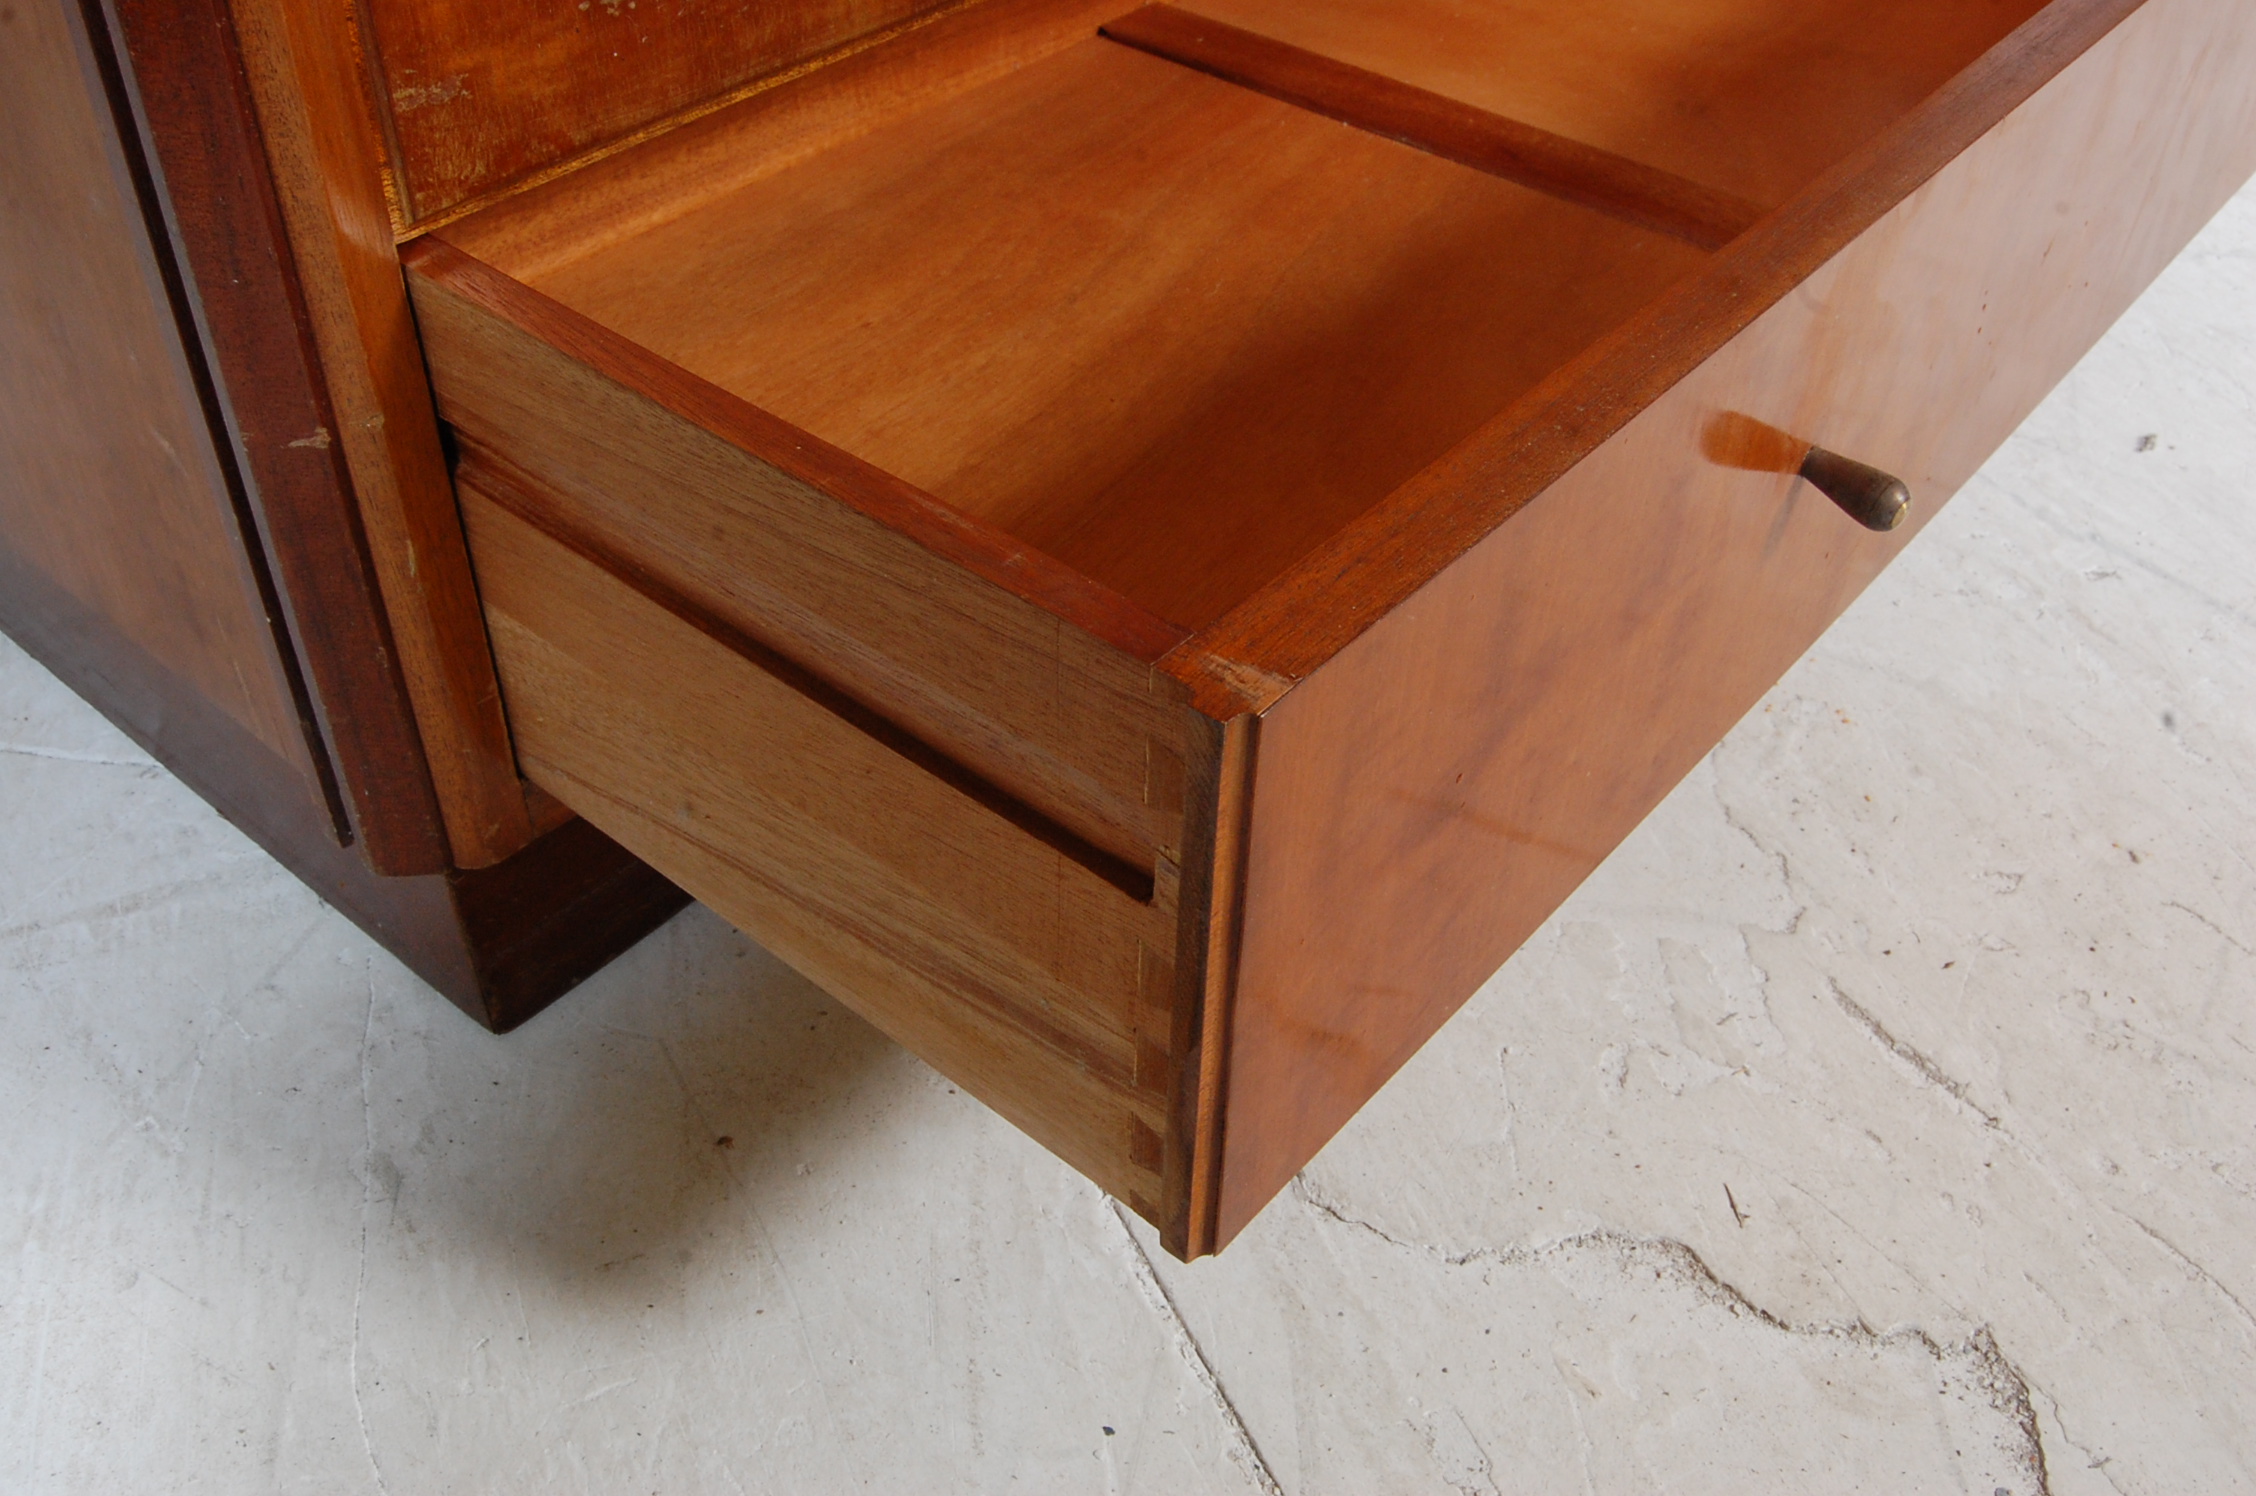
<point x="994" y="655"/>
<point x="1012" y="969"/>
<point x="1207" y="945"/>
<point x="1749" y="97"/>
<point x="127" y="568"/>
<point x="1167" y="330"/>
<point x="619" y="194"/>
<point x="496" y="482"/>
<point x="114" y="492"/>
<point x="324" y="151"/>
<point x="479" y="95"/>
<point x="1427" y="797"/>
<point x="1312" y="611"/>
<point x="192" y="102"/>
<point x="1614" y="185"/>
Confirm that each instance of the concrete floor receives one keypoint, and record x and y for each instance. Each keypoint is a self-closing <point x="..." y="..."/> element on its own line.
<point x="1882" y="1117"/>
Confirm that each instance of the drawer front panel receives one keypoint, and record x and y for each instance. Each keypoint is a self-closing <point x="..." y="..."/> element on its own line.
<point x="1007" y="964"/>
<point x="1423" y="801"/>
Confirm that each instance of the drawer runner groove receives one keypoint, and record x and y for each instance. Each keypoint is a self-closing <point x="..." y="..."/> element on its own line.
<point x="1567" y="169"/>
<point x="494" y="477"/>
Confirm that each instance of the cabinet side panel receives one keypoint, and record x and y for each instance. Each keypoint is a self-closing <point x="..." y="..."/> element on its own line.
<point x="111" y="483"/>
<point x="1013" y="970"/>
<point x="125" y="567"/>
<point x="1425" y="800"/>
<point x="186" y="79"/>
<point x="308" y="90"/>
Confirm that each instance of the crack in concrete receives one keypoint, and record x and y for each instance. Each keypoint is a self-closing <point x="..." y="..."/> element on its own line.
<point x="1585" y="1450"/>
<point x="1243" y="1449"/>
<point x="1668" y="1260"/>
<point x="67" y="756"/>
<point x="1464" y="1465"/>
<point x="367" y="1177"/>
<point x="1925" y="1285"/>
<point x="1786" y="876"/>
<point x="2222" y="933"/>
<point x="1308" y="1195"/>
<point x="307" y="930"/>
<point x="2092" y="1461"/>
<point x="1511" y="1110"/>
<point x="124" y="906"/>
<point x="1925" y="1068"/>
<point x="2192" y="1266"/>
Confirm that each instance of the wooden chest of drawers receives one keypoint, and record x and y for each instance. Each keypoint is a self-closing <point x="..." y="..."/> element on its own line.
<point x="1147" y="550"/>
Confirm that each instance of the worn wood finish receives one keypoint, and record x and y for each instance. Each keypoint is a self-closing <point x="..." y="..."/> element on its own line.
<point x="1167" y="330"/>
<point x="1012" y="968"/>
<point x="184" y="76"/>
<point x="112" y="492"/>
<point x="480" y="95"/>
<point x="1749" y="97"/>
<point x="325" y="154"/>
<point x="996" y="656"/>
<point x="1615" y="185"/>
<point x="1434" y="790"/>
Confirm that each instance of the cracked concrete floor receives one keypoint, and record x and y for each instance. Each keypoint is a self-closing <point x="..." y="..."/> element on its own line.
<point x="1882" y="1117"/>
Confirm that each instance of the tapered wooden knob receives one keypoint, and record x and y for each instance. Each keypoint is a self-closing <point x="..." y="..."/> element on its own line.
<point x="1875" y="500"/>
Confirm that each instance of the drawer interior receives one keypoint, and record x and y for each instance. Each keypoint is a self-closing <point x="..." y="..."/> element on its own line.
<point x="1165" y="329"/>
<point x="1166" y="315"/>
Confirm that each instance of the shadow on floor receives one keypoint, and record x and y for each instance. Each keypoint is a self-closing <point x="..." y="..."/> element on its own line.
<point x="682" y="1097"/>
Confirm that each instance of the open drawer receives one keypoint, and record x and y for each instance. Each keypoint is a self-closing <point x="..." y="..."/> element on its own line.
<point x="1148" y="563"/>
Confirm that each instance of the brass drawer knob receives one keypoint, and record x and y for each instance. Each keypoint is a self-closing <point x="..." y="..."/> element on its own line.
<point x="1875" y="500"/>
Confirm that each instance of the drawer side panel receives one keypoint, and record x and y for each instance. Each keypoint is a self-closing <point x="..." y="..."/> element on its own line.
<point x="672" y="476"/>
<point x="1427" y="798"/>
<point x="1010" y="967"/>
